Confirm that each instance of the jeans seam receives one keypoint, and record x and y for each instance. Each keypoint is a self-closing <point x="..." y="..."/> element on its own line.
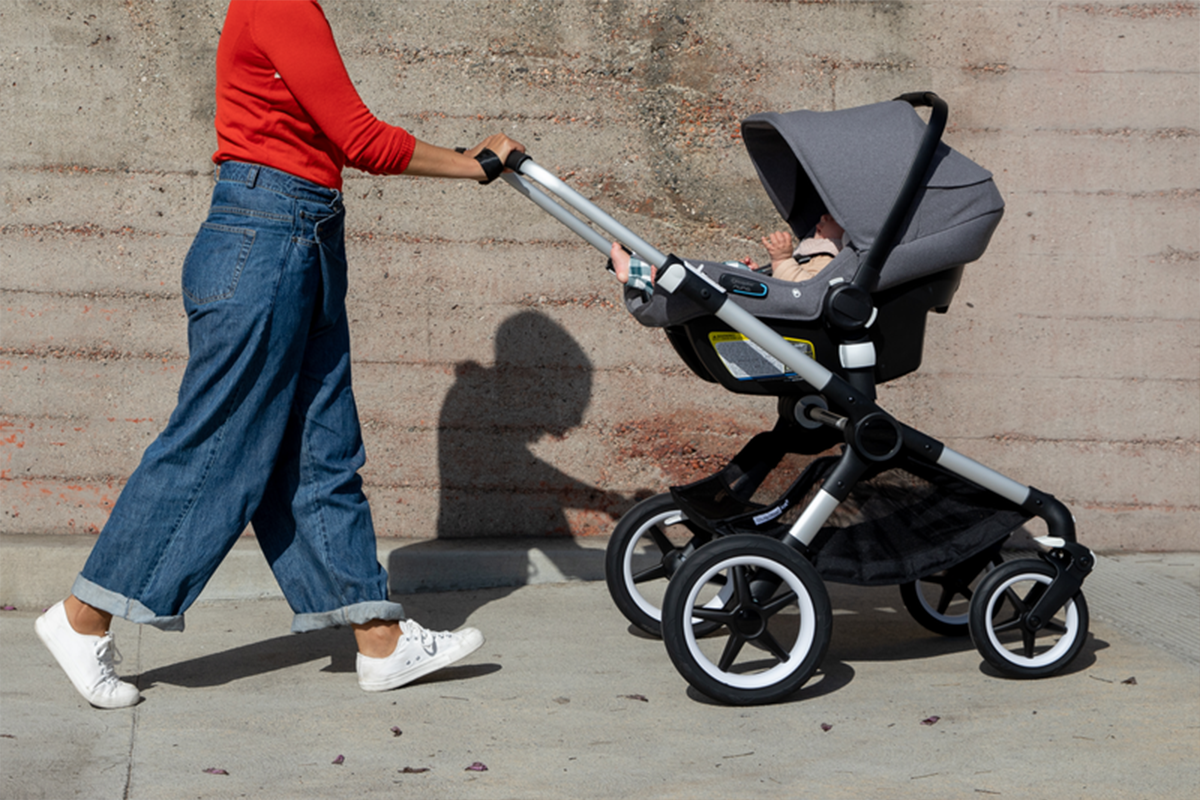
<point x="319" y="508"/>
<point x="234" y="400"/>
<point x="195" y="495"/>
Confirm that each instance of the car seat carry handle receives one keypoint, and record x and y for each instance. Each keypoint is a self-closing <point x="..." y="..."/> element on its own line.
<point x="867" y="276"/>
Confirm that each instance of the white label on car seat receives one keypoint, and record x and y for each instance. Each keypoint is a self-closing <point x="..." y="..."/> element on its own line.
<point x="746" y="361"/>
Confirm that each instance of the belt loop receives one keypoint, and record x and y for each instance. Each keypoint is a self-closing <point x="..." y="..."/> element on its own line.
<point x="252" y="177"/>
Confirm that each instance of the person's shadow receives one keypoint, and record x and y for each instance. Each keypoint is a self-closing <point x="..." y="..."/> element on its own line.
<point x="494" y="486"/>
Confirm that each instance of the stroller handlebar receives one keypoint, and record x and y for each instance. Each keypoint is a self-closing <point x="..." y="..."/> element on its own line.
<point x="515" y="159"/>
<point x="523" y="166"/>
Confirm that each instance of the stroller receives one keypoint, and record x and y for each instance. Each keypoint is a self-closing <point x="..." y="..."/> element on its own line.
<point x="735" y="585"/>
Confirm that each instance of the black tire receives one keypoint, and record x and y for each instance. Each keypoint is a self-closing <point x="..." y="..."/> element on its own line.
<point x="772" y="598"/>
<point x="998" y="610"/>
<point x="649" y="543"/>
<point x="941" y="602"/>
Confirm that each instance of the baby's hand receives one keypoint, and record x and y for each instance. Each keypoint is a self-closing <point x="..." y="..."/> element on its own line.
<point x="779" y="246"/>
<point x="620" y="260"/>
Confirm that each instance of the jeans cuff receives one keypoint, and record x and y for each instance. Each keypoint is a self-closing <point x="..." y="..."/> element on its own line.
<point x="119" y="605"/>
<point x="356" y="614"/>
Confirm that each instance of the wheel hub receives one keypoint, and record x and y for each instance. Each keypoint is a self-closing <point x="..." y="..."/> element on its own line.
<point x="749" y="623"/>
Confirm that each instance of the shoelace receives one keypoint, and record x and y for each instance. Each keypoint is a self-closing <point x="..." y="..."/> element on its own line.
<point x="109" y="656"/>
<point x="427" y="638"/>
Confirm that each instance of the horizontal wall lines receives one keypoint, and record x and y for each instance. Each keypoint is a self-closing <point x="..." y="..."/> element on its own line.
<point x="68" y="352"/>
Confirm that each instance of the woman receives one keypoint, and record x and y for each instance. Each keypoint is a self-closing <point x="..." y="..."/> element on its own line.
<point x="265" y="430"/>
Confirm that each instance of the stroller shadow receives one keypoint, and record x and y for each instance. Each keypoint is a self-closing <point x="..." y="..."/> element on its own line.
<point x="494" y="486"/>
<point x="830" y="677"/>
<point x="871" y="624"/>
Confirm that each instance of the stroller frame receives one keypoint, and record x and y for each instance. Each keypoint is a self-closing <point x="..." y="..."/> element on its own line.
<point x="749" y="568"/>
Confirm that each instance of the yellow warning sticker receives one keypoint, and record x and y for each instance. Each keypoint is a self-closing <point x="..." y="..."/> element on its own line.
<point x="746" y="361"/>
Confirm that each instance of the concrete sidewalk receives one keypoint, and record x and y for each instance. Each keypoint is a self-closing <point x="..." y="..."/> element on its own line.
<point x="565" y="701"/>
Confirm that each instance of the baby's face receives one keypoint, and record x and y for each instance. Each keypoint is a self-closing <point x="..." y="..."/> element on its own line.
<point x="827" y="228"/>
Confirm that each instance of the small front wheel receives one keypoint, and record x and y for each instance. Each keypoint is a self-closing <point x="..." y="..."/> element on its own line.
<point x="998" y="612"/>
<point x="773" y="616"/>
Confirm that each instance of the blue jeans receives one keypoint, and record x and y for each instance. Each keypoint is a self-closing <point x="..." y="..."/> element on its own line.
<point x="265" y="431"/>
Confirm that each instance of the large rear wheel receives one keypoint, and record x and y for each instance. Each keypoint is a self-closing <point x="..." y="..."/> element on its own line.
<point x="772" y="614"/>
<point x="646" y="548"/>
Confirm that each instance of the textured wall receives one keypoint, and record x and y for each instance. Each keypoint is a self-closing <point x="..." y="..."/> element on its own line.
<point x="502" y="387"/>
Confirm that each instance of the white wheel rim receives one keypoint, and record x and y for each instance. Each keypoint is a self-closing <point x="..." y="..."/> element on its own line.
<point x="673" y="517"/>
<point x="1071" y="622"/>
<point x="958" y="619"/>
<point x="804" y="638"/>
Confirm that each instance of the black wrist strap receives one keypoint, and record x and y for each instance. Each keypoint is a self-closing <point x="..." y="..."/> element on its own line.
<point x="491" y="163"/>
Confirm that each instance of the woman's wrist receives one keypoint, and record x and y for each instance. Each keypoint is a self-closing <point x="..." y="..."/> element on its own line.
<point x="489" y="162"/>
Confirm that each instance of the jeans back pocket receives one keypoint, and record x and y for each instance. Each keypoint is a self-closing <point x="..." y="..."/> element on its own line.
<point x="214" y="262"/>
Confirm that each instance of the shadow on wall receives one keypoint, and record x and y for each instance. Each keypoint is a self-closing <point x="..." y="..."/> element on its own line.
<point x="494" y="486"/>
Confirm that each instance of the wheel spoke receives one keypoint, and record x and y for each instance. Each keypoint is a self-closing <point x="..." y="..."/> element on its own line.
<point x="1054" y="626"/>
<point x="1007" y="625"/>
<point x="650" y="574"/>
<point x="1030" y="640"/>
<point x="720" y="615"/>
<point x="661" y="541"/>
<point x="730" y="654"/>
<point x="741" y="585"/>
<point x="772" y="645"/>
<point x="1015" y="599"/>
<point x="778" y="604"/>
<point x="944" y="599"/>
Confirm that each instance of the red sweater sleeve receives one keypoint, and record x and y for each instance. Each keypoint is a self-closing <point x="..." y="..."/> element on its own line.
<point x="288" y="96"/>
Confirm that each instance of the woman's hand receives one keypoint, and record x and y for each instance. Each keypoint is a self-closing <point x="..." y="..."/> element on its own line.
<point x="499" y="144"/>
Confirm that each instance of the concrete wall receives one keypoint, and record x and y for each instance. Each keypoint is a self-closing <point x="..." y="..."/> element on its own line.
<point x="502" y="387"/>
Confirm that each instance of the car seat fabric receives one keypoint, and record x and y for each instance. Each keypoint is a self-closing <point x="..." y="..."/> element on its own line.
<point x="851" y="163"/>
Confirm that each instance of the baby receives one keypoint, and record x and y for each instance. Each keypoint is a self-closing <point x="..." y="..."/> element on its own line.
<point x="799" y="264"/>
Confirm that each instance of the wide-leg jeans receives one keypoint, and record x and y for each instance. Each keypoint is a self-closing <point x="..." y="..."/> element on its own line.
<point x="265" y="430"/>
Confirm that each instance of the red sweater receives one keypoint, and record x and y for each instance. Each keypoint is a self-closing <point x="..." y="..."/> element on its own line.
<point x="285" y="100"/>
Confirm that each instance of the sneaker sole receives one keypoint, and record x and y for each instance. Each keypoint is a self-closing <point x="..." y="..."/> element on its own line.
<point x="440" y="661"/>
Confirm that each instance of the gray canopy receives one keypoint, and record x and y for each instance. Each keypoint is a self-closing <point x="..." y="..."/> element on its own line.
<point x="851" y="163"/>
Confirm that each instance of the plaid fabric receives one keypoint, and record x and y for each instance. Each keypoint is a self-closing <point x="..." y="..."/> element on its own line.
<point x="639" y="274"/>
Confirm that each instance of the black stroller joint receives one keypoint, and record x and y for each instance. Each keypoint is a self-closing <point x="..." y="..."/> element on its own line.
<point x="736" y="586"/>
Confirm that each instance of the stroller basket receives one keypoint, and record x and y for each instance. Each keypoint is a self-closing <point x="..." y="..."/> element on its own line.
<point x="898" y="526"/>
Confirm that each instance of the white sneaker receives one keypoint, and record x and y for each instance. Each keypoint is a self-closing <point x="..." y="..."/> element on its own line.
<point x="419" y="652"/>
<point x="87" y="660"/>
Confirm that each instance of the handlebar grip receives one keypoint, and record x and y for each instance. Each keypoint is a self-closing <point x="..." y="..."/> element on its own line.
<point x="516" y="159"/>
